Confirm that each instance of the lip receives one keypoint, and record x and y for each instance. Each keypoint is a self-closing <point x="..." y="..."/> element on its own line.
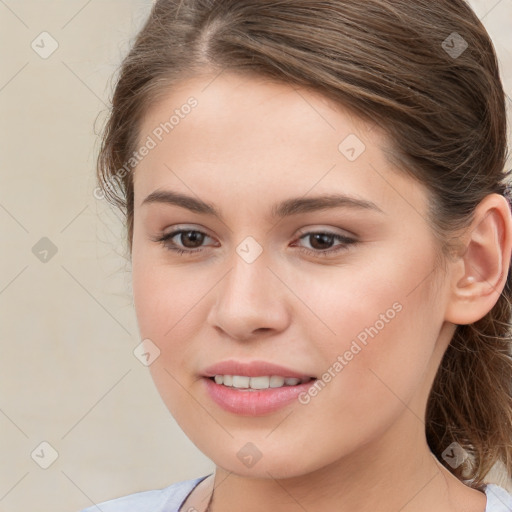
<point x="255" y="402"/>
<point x="252" y="369"/>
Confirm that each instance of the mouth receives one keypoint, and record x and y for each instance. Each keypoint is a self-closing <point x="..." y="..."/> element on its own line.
<point x="255" y="396"/>
<point x="254" y="388"/>
<point x="258" y="383"/>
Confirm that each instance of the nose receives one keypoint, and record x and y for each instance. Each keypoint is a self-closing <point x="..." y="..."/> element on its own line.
<point x="250" y="301"/>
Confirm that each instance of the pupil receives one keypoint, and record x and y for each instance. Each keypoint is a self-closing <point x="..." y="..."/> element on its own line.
<point x="194" y="236"/>
<point x="322" y="238"/>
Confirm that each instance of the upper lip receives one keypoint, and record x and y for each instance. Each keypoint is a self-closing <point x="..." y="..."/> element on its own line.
<point x="251" y="369"/>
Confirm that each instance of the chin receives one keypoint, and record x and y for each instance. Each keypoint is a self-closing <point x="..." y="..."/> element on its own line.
<point x="257" y="457"/>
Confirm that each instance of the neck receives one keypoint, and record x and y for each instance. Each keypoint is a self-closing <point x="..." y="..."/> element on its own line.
<point x="395" y="473"/>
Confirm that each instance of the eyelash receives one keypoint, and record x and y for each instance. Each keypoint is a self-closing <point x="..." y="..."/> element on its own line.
<point x="165" y="241"/>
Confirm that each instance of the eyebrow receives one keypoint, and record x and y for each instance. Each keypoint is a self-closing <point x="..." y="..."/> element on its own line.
<point x="286" y="208"/>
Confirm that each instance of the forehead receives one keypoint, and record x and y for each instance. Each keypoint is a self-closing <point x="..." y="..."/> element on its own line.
<point x="233" y="100"/>
<point x="249" y="134"/>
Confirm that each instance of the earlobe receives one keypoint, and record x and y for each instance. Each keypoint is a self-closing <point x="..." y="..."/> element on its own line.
<point x="480" y="273"/>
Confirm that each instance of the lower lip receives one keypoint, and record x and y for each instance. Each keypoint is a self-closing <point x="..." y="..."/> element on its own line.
<point x="254" y="402"/>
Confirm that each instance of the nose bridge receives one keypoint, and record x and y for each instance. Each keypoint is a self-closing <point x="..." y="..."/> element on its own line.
<point x="249" y="280"/>
<point x="246" y="298"/>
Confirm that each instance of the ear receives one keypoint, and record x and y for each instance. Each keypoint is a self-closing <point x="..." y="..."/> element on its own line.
<point x="479" y="274"/>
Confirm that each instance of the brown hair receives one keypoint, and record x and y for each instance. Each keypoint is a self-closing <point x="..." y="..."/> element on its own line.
<point x="403" y="64"/>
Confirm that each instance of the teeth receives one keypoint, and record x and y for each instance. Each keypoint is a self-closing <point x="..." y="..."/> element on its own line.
<point x="276" y="381"/>
<point x="264" y="382"/>
<point x="259" y="382"/>
<point x="240" y="382"/>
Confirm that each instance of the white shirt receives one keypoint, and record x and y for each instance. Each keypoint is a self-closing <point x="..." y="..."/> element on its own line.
<point x="172" y="497"/>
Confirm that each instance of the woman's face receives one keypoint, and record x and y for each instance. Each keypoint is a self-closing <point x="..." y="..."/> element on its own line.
<point x="334" y="289"/>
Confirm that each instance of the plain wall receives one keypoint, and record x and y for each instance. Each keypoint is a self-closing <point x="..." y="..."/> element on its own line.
<point x="68" y="375"/>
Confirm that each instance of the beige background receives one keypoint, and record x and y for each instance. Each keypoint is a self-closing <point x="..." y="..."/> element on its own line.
<point x="68" y="375"/>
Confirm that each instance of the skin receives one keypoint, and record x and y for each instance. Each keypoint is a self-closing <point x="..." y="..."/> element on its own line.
<point x="359" y="445"/>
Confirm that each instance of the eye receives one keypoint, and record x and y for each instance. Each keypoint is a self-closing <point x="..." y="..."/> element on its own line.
<point x="191" y="240"/>
<point x="321" y="243"/>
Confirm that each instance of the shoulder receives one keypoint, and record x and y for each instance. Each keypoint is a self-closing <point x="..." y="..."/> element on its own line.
<point x="498" y="499"/>
<point x="167" y="499"/>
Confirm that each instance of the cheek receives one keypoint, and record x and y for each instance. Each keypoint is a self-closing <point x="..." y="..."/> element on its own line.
<point x="164" y="296"/>
<point x="167" y="306"/>
<point x="171" y="304"/>
<point x="386" y="323"/>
